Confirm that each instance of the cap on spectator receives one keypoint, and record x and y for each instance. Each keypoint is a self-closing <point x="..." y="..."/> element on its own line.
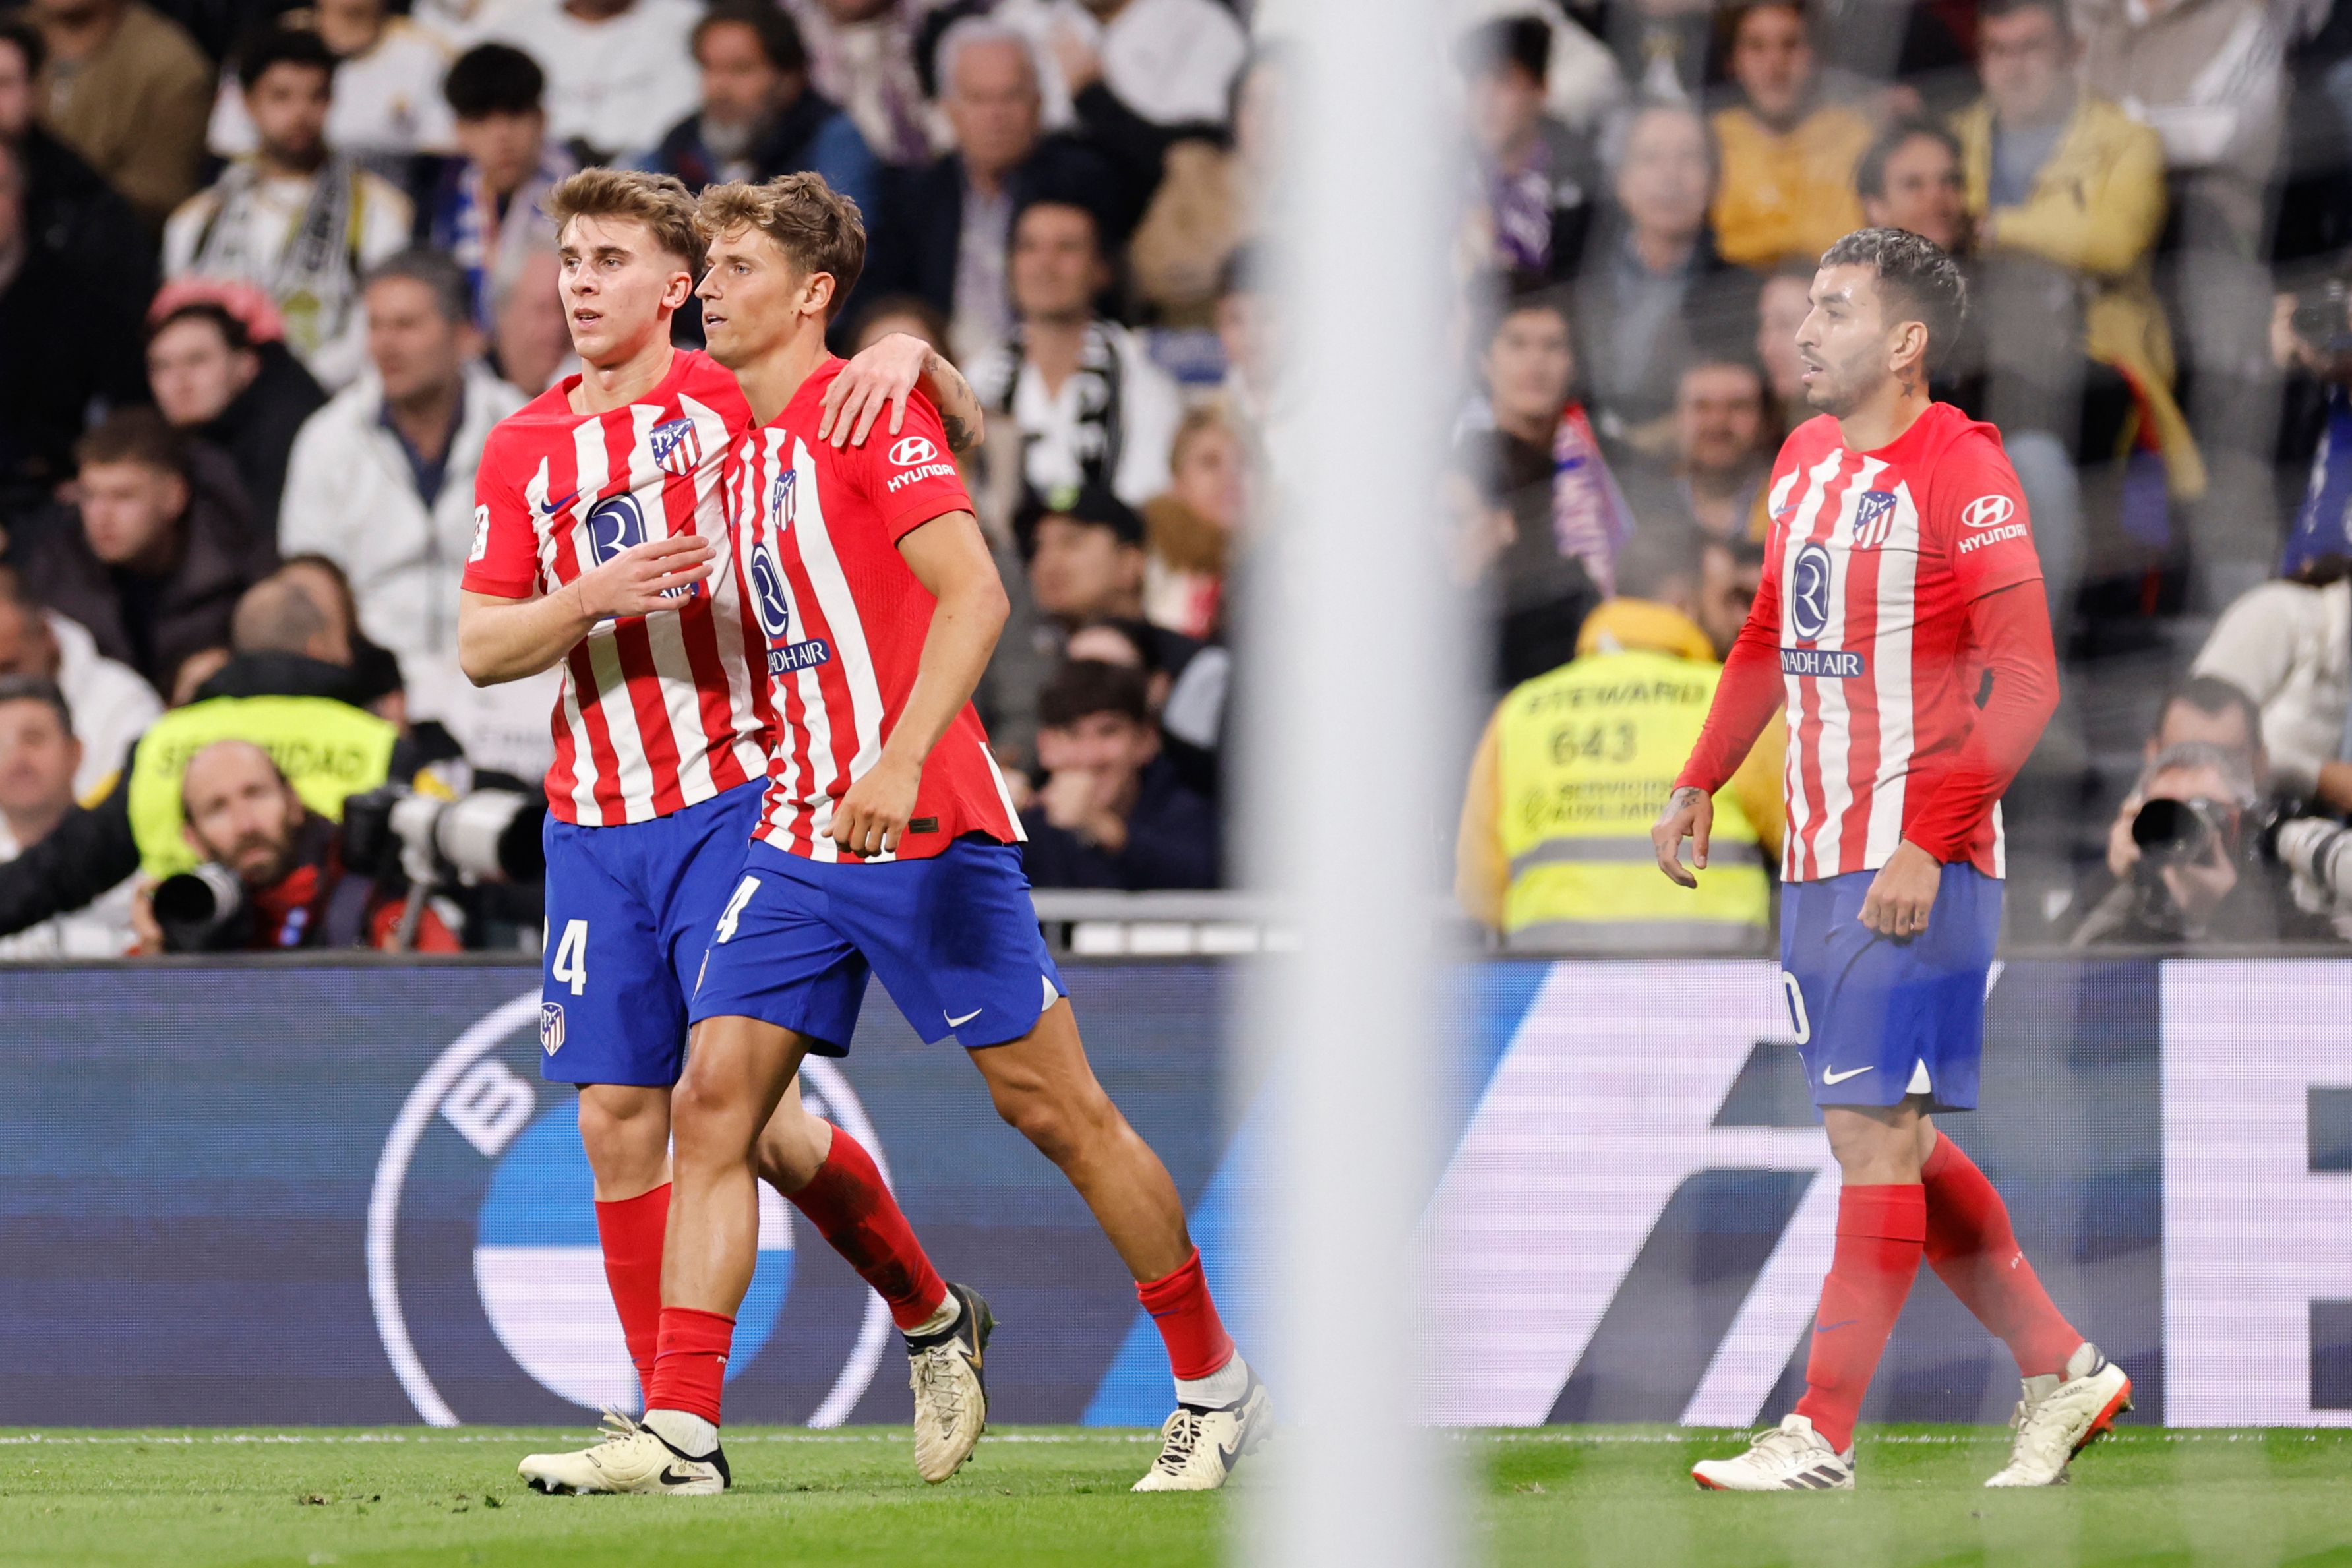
<point x="246" y="301"/>
<point x="494" y="78"/>
<point x="1087" y="503"/>
<point x="1086" y="687"/>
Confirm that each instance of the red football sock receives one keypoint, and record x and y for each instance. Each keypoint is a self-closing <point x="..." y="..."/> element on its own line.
<point x="631" y="1233"/>
<point x="851" y="1208"/>
<point x="1879" y="1233"/>
<point x="1972" y="1249"/>
<point x="690" y="1370"/>
<point x="1178" y="1303"/>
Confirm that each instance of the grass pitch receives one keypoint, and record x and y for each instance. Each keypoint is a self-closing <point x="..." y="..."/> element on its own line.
<point x="1039" y="1497"/>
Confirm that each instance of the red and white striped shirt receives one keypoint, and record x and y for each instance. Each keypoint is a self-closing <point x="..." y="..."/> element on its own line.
<point x="657" y="712"/>
<point x="1872" y="569"/>
<point x="841" y="618"/>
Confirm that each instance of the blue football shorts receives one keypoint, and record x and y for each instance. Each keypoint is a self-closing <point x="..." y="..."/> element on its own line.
<point x="1879" y="1019"/>
<point x="953" y="938"/>
<point x="629" y="912"/>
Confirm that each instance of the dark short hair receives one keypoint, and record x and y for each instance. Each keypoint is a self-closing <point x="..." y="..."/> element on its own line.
<point x="777" y="33"/>
<point x="438" y="271"/>
<point x="1658" y="553"/>
<point x="1990" y="9"/>
<point x="494" y="78"/>
<point x="1524" y="41"/>
<point x="1525" y="300"/>
<point x="28" y="40"/>
<point x="1086" y="687"/>
<point x="134" y="435"/>
<point x="1924" y="280"/>
<point x="215" y="314"/>
<point x="271" y="45"/>
<point x="2213" y="696"/>
<point x="34" y="688"/>
<point x="1075" y="203"/>
<point x="1870" y="174"/>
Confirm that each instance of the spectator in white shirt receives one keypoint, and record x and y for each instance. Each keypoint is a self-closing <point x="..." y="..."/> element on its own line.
<point x="382" y="481"/>
<point x="388" y="104"/>
<point x="39" y="759"/>
<point x="109" y="703"/>
<point x="296" y="219"/>
<point x="1090" y="406"/>
<point x="619" y="72"/>
<point x="1171" y="61"/>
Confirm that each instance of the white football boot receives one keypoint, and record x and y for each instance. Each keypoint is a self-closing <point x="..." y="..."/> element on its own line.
<point x="1791" y="1457"/>
<point x="2060" y="1416"/>
<point x="950" y="1393"/>
<point x="1198" y="1450"/>
<point x="633" y="1457"/>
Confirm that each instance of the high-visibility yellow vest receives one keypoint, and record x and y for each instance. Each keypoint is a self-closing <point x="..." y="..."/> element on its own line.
<point x="1586" y="756"/>
<point x="326" y="749"/>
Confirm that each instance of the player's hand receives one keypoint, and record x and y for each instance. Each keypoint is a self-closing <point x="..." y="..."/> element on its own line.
<point x="1689" y="814"/>
<point x="882" y="375"/>
<point x="636" y="580"/>
<point x="872" y="817"/>
<point x="1903" y="892"/>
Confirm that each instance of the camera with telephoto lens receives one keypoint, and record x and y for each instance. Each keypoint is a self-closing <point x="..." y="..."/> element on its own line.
<point x="2187" y="832"/>
<point x="202" y="911"/>
<point x="488" y="836"/>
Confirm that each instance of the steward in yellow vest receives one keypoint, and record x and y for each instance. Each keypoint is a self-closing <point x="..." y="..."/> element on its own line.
<point x="1554" y="849"/>
<point x="295" y="708"/>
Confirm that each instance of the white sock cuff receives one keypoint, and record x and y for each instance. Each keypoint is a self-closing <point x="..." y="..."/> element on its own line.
<point x="1220" y="1390"/>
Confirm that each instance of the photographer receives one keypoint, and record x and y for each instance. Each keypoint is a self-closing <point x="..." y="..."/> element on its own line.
<point x="2201" y="875"/>
<point x="272" y="875"/>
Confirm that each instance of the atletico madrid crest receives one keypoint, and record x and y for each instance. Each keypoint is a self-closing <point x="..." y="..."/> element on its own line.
<point x="678" y="447"/>
<point x="1873" y="520"/>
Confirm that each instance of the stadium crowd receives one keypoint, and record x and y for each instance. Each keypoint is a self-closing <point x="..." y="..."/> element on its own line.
<point x="268" y="277"/>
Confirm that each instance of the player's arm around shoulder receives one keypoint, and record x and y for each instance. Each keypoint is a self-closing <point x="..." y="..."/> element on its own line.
<point x="887" y="372"/>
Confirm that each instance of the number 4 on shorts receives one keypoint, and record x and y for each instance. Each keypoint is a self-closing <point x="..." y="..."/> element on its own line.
<point x="571" y="967"/>
<point x="734" y="911"/>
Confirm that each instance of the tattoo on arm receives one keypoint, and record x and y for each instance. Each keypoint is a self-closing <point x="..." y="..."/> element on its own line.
<point x="959" y="406"/>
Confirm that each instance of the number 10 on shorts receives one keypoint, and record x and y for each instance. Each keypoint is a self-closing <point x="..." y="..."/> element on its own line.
<point x="570" y="966"/>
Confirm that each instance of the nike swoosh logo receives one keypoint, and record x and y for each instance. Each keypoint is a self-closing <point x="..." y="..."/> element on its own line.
<point x="1841" y="1323"/>
<point x="1231" y="1456"/>
<point x="549" y="508"/>
<point x="670" y="1478"/>
<point x="968" y="1017"/>
<point x="1842" y="1077"/>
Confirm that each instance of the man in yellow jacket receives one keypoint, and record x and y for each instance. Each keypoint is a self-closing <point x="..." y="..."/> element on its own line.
<point x="1575" y="762"/>
<point x="1787" y="191"/>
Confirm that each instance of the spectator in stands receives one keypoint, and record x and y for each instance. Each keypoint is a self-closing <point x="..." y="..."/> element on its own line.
<point x="39" y="758"/>
<point x="1653" y="293"/>
<point x="302" y="222"/>
<point x="2288" y="646"/>
<point x="1662" y="46"/>
<point x="619" y="72"/>
<point x="1171" y="62"/>
<point x="1539" y="176"/>
<point x="1090" y="406"/>
<point x="899" y="313"/>
<point x="382" y="481"/>
<point x="214" y="382"/>
<point x="110" y="705"/>
<point x="1111" y="812"/>
<point x="62" y="345"/>
<point x="862" y="56"/>
<point x="759" y="117"/>
<point x="1188" y="699"/>
<point x="2311" y="343"/>
<point x="1499" y="499"/>
<point x="2204" y="710"/>
<point x="129" y="91"/>
<point x="2203" y="879"/>
<point x="1084" y="548"/>
<point x="1190" y="530"/>
<point x="375" y="681"/>
<point x="1786" y="185"/>
<point x="1210" y="200"/>
<point x="70" y="210"/>
<point x="1910" y="178"/>
<point x="1530" y="368"/>
<point x="240" y="812"/>
<point x="160" y="559"/>
<point x="303" y="710"/>
<point x="1721" y="460"/>
<point x="388" y="105"/>
<point x="1577" y="763"/>
<point x="1781" y="307"/>
<point x="954" y="234"/>
<point x="487" y="210"/>
<point x="531" y="338"/>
